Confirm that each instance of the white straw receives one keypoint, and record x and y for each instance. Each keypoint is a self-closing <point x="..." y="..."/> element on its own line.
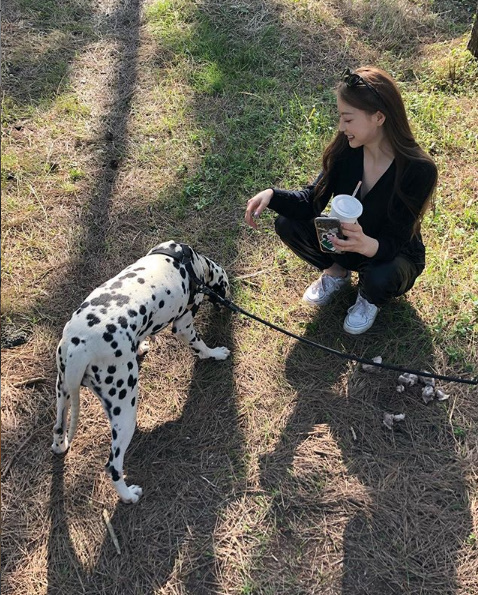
<point x="357" y="188"/>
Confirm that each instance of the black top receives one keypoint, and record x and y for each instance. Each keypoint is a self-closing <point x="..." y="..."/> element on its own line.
<point x="385" y="217"/>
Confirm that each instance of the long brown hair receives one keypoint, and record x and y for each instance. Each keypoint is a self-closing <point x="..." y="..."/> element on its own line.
<point x="388" y="100"/>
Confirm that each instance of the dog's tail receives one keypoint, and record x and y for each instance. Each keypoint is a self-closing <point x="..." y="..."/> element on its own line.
<point x="74" y="373"/>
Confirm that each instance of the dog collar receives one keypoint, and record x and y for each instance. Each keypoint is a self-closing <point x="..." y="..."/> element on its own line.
<point x="184" y="257"/>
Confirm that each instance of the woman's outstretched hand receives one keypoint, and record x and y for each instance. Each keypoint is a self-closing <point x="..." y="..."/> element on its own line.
<point x="256" y="205"/>
<point x="356" y="240"/>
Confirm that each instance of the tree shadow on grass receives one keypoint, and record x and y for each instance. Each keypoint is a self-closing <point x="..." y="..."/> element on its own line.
<point x="388" y="506"/>
<point x="168" y="535"/>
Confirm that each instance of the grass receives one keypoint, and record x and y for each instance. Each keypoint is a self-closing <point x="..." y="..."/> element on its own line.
<point x="126" y="125"/>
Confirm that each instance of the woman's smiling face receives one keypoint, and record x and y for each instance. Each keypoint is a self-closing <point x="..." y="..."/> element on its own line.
<point x="360" y="127"/>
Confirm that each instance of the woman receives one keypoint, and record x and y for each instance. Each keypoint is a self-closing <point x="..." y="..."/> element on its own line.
<point x="375" y="146"/>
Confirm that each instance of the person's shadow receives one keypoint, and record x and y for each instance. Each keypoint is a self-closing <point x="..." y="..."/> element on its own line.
<point x="180" y="465"/>
<point x="386" y="509"/>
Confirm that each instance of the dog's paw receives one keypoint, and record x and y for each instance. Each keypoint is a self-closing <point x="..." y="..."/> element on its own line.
<point x="134" y="494"/>
<point x="143" y="348"/>
<point x="219" y="353"/>
<point x="60" y="449"/>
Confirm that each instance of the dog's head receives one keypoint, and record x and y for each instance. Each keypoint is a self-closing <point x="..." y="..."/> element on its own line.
<point x="216" y="279"/>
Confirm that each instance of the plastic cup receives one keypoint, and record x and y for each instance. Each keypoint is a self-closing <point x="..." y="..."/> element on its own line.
<point x="346" y="208"/>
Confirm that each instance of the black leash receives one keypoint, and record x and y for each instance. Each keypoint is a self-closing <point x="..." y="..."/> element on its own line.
<point x="238" y="310"/>
<point x="184" y="257"/>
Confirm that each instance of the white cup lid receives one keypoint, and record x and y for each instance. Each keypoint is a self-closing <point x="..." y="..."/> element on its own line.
<point x="347" y="206"/>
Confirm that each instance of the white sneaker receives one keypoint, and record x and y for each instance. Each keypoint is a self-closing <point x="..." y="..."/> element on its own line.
<point x="360" y="316"/>
<point x="322" y="290"/>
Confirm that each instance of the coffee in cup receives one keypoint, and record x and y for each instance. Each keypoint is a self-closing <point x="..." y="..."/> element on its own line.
<point x="346" y="208"/>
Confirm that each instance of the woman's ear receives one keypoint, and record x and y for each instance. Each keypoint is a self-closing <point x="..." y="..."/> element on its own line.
<point x="380" y="118"/>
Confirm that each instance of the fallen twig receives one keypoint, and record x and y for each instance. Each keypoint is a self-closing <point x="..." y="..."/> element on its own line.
<point x="29" y="381"/>
<point x="111" y="531"/>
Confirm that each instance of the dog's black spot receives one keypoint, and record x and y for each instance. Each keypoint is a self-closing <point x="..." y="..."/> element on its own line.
<point x="109" y="380"/>
<point x="94" y="368"/>
<point x="115" y="476"/>
<point x="112" y="392"/>
<point x="183" y="286"/>
<point x="117" y="452"/>
<point x="118" y="353"/>
<point x="92" y="319"/>
<point x="131" y="381"/>
<point x="145" y="320"/>
<point x="132" y="313"/>
<point x="122" y="394"/>
<point x="75" y="341"/>
<point x="133" y="401"/>
<point x="123" y="322"/>
<point x="97" y="378"/>
<point x="140" y="280"/>
<point x="116" y="285"/>
<point x="122" y="300"/>
<point x="157" y="328"/>
<point x="107" y="337"/>
<point x="153" y="297"/>
<point x="139" y="269"/>
<point x="133" y="327"/>
<point x="111" y="369"/>
<point x="161" y="304"/>
<point x="120" y="383"/>
<point x="128" y="276"/>
<point x="104" y="299"/>
<point x="196" y="350"/>
<point x="130" y="365"/>
<point x="114" y="434"/>
<point x="117" y="411"/>
<point x="142" y="310"/>
<point x="182" y="271"/>
<point x="110" y="458"/>
<point x="111" y="328"/>
<point x="168" y="291"/>
<point x="174" y="330"/>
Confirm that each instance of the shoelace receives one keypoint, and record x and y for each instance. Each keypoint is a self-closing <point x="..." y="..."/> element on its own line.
<point x="361" y="307"/>
<point x="324" y="279"/>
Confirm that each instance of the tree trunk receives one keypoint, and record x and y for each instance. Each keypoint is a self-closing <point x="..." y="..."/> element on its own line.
<point x="473" y="43"/>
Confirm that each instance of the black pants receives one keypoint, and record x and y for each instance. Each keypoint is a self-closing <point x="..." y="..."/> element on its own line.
<point x="378" y="281"/>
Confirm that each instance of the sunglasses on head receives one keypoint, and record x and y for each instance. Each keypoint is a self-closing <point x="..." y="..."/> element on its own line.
<point x="352" y="79"/>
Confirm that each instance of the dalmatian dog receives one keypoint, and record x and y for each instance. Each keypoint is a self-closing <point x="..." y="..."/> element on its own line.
<point x="100" y="343"/>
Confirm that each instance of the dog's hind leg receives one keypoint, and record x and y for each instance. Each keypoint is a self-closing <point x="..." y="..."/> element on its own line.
<point x="60" y="440"/>
<point x="123" y="422"/>
<point x="184" y="328"/>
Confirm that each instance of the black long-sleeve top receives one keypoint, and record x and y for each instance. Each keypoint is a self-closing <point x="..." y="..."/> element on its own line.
<point x="385" y="217"/>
